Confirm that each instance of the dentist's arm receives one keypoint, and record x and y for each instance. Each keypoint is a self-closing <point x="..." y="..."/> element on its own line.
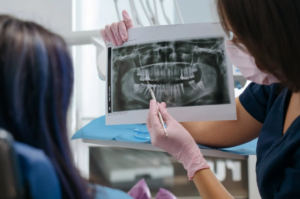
<point x="183" y="147"/>
<point x="225" y="133"/>
<point x="212" y="133"/>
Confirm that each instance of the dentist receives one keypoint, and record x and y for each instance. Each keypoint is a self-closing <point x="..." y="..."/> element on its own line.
<point x="266" y="49"/>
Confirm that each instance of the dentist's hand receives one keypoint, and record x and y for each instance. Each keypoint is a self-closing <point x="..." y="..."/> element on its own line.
<point x="116" y="33"/>
<point x="179" y="142"/>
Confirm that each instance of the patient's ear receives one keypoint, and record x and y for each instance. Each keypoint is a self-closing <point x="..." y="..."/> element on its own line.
<point x="140" y="190"/>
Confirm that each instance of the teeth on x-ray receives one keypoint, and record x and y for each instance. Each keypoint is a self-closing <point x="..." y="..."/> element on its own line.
<point x="182" y="89"/>
<point x="184" y="75"/>
<point x="170" y="73"/>
<point x="193" y="84"/>
<point x="147" y="91"/>
<point x="147" y="75"/>
<point x="138" y="72"/>
<point x="201" y="85"/>
<point x="191" y="73"/>
<point x="160" y="90"/>
<point x="142" y="78"/>
<point x="143" y="88"/>
<point x="179" y="73"/>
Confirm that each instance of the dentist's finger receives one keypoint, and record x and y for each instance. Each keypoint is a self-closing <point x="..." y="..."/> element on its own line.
<point x="148" y="123"/>
<point x="104" y="35"/>
<point x="164" y="104"/>
<point x="127" y="20"/>
<point x="110" y="34"/>
<point x="123" y="31"/>
<point x="154" y="119"/>
<point x="115" y="30"/>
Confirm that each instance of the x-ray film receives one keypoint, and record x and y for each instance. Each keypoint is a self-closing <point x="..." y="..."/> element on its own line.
<point x="186" y="66"/>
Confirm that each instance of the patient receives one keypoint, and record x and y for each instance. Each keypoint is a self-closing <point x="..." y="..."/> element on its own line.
<point x="36" y="83"/>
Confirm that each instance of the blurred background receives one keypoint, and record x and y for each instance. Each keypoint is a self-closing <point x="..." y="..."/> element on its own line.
<point x="119" y="167"/>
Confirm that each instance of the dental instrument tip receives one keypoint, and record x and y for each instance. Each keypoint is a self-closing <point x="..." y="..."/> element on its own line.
<point x="166" y="134"/>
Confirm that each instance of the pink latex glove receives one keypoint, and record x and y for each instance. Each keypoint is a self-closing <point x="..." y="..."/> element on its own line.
<point x="179" y="142"/>
<point x="116" y="33"/>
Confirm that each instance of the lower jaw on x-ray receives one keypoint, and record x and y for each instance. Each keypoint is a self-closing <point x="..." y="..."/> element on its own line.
<point x="181" y="73"/>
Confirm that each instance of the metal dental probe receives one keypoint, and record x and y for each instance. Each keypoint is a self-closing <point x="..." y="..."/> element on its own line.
<point x="159" y="114"/>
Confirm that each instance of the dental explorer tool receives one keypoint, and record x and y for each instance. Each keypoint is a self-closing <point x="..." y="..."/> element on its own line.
<point x="159" y="114"/>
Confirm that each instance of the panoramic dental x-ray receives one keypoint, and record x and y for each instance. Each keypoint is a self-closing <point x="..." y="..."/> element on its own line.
<point x="181" y="72"/>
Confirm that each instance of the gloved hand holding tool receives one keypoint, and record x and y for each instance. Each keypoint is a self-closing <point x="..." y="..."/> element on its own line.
<point x="179" y="142"/>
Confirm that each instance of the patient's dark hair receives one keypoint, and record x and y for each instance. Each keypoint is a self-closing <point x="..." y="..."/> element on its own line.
<point x="270" y="30"/>
<point x="36" y="82"/>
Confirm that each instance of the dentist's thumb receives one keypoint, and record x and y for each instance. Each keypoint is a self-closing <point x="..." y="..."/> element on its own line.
<point x="127" y="20"/>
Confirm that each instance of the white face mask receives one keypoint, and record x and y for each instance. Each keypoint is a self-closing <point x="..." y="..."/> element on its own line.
<point x="246" y="64"/>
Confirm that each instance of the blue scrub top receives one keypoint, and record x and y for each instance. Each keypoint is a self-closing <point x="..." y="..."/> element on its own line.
<point x="278" y="155"/>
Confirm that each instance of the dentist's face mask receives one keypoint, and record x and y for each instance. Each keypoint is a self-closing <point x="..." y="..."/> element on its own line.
<point x="246" y="64"/>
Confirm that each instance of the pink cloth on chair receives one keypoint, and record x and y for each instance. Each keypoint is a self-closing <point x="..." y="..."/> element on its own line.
<point x="142" y="191"/>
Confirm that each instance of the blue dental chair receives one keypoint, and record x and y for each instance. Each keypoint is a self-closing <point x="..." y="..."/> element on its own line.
<point x="25" y="172"/>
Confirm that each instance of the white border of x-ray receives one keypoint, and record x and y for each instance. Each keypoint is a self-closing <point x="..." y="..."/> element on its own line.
<point x="181" y="114"/>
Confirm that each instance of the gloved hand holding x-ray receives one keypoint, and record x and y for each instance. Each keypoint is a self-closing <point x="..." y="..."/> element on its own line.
<point x="185" y="65"/>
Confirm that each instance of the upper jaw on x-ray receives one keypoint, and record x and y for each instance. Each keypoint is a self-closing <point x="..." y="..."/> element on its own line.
<point x="181" y="73"/>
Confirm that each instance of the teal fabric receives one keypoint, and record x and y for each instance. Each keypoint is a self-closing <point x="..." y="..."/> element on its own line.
<point x="102" y="192"/>
<point x="97" y="130"/>
<point x="38" y="173"/>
